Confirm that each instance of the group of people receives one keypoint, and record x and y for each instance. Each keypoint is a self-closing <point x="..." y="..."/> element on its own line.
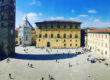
<point x="26" y="50"/>
<point x="50" y="78"/>
<point x="30" y="65"/>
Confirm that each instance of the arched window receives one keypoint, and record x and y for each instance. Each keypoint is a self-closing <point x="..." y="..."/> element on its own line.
<point x="71" y="26"/>
<point x="64" y="26"/>
<point x="46" y="26"/>
<point x="58" y="26"/>
<point x="106" y="36"/>
<point x="99" y="35"/>
<point x="76" y="27"/>
<point x="45" y="35"/>
<point x="51" y="35"/>
<point x="76" y="45"/>
<point x="58" y="35"/>
<point x="40" y="35"/>
<point x="76" y="36"/>
<point x="64" y="45"/>
<point x="70" y="35"/>
<point x="40" y="26"/>
<point x="64" y="35"/>
<point x="105" y="52"/>
<point x="102" y="35"/>
<point x="52" y="26"/>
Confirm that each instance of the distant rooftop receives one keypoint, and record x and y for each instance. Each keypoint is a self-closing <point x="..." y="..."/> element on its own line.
<point x="16" y="29"/>
<point x="58" y="21"/>
<point x="105" y="30"/>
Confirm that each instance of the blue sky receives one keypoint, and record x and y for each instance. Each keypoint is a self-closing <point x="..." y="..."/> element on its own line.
<point x="92" y="13"/>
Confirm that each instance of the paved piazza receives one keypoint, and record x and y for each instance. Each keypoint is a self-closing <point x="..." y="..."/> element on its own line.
<point x="56" y="62"/>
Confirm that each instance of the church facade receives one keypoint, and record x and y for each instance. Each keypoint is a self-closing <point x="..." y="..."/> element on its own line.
<point x="7" y="27"/>
<point x="24" y="33"/>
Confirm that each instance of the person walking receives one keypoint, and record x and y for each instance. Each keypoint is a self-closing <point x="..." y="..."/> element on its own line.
<point x="42" y="78"/>
<point x="56" y="60"/>
<point x="8" y="59"/>
<point x="31" y="66"/>
<point x="28" y="65"/>
<point x="10" y="75"/>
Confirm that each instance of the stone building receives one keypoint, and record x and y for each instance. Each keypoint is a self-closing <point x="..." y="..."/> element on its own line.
<point x="58" y="34"/>
<point x="99" y="41"/>
<point x="85" y="31"/>
<point x="24" y="33"/>
<point x="7" y="27"/>
<point x="16" y="35"/>
<point x="33" y="37"/>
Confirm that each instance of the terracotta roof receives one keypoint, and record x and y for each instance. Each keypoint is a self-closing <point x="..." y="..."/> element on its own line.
<point x="105" y="30"/>
<point x="58" y="21"/>
<point x="91" y="28"/>
<point x="16" y="29"/>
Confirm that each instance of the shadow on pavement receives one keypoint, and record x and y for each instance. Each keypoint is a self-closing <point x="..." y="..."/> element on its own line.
<point x="2" y="58"/>
<point x="43" y="56"/>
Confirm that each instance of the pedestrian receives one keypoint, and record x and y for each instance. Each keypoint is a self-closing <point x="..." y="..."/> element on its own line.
<point x="24" y="50"/>
<point x="28" y="65"/>
<point x="10" y="75"/>
<point x="56" y="60"/>
<point x="8" y="59"/>
<point x="27" y="49"/>
<point x="87" y="59"/>
<point x="31" y="66"/>
<point x="89" y="75"/>
<point x="49" y="76"/>
<point x="42" y="78"/>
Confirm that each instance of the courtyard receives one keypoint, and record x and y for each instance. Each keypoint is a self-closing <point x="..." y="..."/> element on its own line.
<point x="61" y="64"/>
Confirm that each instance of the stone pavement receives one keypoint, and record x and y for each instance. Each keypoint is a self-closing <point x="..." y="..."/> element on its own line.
<point x="72" y="68"/>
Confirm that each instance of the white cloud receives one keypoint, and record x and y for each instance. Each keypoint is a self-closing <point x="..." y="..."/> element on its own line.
<point x="40" y="14"/>
<point x="32" y="17"/>
<point x="59" y="17"/>
<point x="56" y="18"/>
<point x="101" y="24"/>
<point x="73" y="11"/>
<point x="96" y="23"/>
<point x="96" y="20"/>
<point x="34" y="2"/>
<point x="83" y="15"/>
<point x="19" y="16"/>
<point x="52" y="18"/>
<point x="39" y="3"/>
<point x="73" y="18"/>
<point x="91" y="11"/>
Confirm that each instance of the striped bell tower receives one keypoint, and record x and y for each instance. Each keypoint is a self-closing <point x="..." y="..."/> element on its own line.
<point x="7" y="27"/>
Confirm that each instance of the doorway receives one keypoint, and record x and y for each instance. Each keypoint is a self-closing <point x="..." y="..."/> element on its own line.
<point x="48" y="44"/>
